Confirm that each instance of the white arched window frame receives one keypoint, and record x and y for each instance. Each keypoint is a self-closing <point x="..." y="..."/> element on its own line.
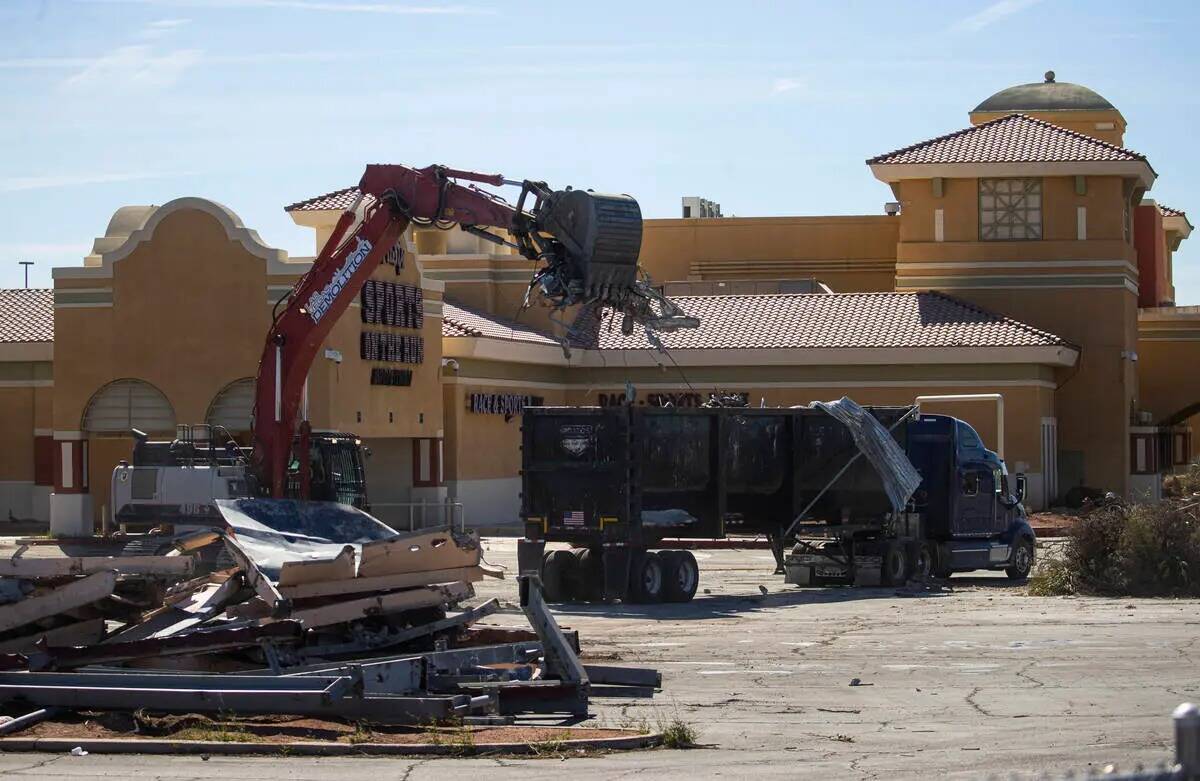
<point x="232" y="406"/>
<point x="128" y="404"/>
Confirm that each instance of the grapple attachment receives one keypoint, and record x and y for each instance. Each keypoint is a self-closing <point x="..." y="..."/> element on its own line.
<point x="589" y="243"/>
<point x="602" y="236"/>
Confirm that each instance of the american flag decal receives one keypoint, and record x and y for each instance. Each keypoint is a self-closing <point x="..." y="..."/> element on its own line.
<point x="573" y="518"/>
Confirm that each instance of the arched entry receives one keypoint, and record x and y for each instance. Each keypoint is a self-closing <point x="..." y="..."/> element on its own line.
<point x="128" y="404"/>
<point x="232" y="406"/>
<point x="107" y="421"/>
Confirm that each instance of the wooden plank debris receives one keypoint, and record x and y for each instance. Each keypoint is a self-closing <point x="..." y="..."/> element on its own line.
<point x="380" y="582"/>
<point x="418" y="552"/>
<point x="191" y="643"/>
<point x="300" y="573"/>
<point x="87" y="632"/>
<point x="30" y="567"/>
<point x="75" y="594"/>
<point x="440" y="595"/>
<point x="195" y="609"/>
<point x="463" y="619"/>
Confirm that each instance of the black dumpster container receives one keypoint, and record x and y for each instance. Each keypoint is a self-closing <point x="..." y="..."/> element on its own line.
<point x="642" y="474"/>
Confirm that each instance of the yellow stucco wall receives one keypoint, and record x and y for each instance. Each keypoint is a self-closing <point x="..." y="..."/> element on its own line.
<point x="850" y="254"/>
<point x="1169" y="362"/>
<point x="183" y="305"/>
<point x="18" y="409"/>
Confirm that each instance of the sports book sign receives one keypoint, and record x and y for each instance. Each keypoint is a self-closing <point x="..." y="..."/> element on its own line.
<point x="506" y="404"/>
<point x="667" y="399"/>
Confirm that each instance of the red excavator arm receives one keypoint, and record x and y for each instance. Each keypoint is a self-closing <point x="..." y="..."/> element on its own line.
<point x="587" y="242"/>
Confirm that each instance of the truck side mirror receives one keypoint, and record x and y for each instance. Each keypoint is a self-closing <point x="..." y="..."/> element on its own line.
<point x="1020" y="487"/>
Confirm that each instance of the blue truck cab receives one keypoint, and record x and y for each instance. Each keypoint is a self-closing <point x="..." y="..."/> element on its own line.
<point x="971" y="506"/>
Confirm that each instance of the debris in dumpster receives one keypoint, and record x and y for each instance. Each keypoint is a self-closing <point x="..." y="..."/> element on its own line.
<point x="325" y="613"/>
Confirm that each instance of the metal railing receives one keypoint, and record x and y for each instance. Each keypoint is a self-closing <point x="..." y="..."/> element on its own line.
<point x="413" y="516"/>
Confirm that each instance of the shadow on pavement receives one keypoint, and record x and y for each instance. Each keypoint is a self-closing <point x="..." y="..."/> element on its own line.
<point x="732" y="606"/>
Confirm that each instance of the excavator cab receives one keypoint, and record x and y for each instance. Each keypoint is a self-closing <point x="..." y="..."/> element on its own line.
<point x="336" y="469"/>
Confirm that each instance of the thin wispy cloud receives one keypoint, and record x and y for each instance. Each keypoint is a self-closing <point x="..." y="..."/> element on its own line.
<point x="780" y="86"/>
<point x="133" y="68"/>
<point x="162" y="28"/>
<point x="202" y="58"/>
<point x="992" y="14"/>
<point x="14" y="184"/>
<point x="334" y="6"/>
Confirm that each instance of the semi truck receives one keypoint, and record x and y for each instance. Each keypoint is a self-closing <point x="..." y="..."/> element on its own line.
<point x="620" y="483"/>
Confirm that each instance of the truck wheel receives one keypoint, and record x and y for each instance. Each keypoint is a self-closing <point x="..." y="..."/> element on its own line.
<point x="646" y="579"/>
<point x="922" y="562"/>
<point x="1022" y="561"/>
<point x="556" y="570"/>
<point x="682" y="575"/>
<point x="895" y="566"/>
<point x="589" y="575"/>
<point x="941" y="562"/>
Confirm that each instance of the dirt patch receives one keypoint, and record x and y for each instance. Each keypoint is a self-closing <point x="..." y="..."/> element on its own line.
<point x="283" y="729"/>
<point x="1052" y="524"/>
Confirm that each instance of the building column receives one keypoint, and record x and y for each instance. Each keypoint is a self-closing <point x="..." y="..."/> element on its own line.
<point x="71" y="503"/>
<point x="44" y="453"/>
<point x="427" y="473"/>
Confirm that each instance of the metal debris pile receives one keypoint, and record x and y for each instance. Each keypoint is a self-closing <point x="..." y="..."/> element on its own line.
<point x="299" y="608"/>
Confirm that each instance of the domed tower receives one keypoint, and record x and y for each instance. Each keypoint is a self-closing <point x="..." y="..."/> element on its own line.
<point x="1072" y="106"/>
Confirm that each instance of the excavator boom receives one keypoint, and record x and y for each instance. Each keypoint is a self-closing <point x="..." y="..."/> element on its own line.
<point x="587" y="245"/>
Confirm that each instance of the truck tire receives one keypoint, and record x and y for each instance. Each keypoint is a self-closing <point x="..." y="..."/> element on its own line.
<point x="682" y="575"/>
<point x="589" y="575"/>
<point x="646" y="578"/>
<point x="1022" y="561"/>
<point x="941" y="562"/>
<point x="895" y="566"/>
<point x="922" y="565"/>
<point x="556" y="570"/>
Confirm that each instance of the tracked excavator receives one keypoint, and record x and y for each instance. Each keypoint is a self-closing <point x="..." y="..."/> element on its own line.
<point x="586" y="245"/>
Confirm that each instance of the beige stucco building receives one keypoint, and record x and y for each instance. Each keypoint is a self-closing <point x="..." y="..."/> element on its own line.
<point x="1024" y="260"/>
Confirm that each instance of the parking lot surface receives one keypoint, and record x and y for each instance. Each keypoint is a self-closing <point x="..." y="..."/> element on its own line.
<point x="974" y="680"/>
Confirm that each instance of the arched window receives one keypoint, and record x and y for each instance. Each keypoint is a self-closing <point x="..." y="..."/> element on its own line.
<point x="231" y="407"/>
<point x="128" y="404"/>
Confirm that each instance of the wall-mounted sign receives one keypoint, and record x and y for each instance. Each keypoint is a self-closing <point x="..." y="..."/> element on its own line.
<point x="682" y="399"/>
<point x="388" y="303"/>
<point x="395" y="256"/>
<point x="397" y="377"/>
<point x="506" y="404"/>
<point x="394" y="348"/>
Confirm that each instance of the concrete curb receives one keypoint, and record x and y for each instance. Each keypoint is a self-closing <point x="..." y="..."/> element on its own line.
<point x="314" y="749"/>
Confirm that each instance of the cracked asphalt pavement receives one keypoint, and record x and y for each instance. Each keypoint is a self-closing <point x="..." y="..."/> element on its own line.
<point x="974" y="681"/>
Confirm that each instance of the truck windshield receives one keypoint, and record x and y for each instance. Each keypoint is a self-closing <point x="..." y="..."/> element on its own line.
<point x="968" y="440"/>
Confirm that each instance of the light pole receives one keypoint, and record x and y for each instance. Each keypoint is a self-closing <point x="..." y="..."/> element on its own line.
<point x="26" y="264"/>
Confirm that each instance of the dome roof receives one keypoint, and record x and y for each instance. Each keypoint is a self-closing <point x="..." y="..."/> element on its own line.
<point x="1048" y="95"/>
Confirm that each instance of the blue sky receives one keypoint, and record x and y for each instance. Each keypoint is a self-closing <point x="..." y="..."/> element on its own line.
<point x="766" y="107"/>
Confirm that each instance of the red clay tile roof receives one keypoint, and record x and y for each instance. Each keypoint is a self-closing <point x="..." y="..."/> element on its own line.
<point x="338" y="199"/>
<point x="26" y="315"/>
<point x="458" y="321"/>
<point x="837" y="321"/>
<point x="1169" y="212"/>
<point x="1015" y="138"/>
<point x="793" y="321"/>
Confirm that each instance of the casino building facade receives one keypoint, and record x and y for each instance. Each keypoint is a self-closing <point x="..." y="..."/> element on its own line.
<point x="1022" y="257"/>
